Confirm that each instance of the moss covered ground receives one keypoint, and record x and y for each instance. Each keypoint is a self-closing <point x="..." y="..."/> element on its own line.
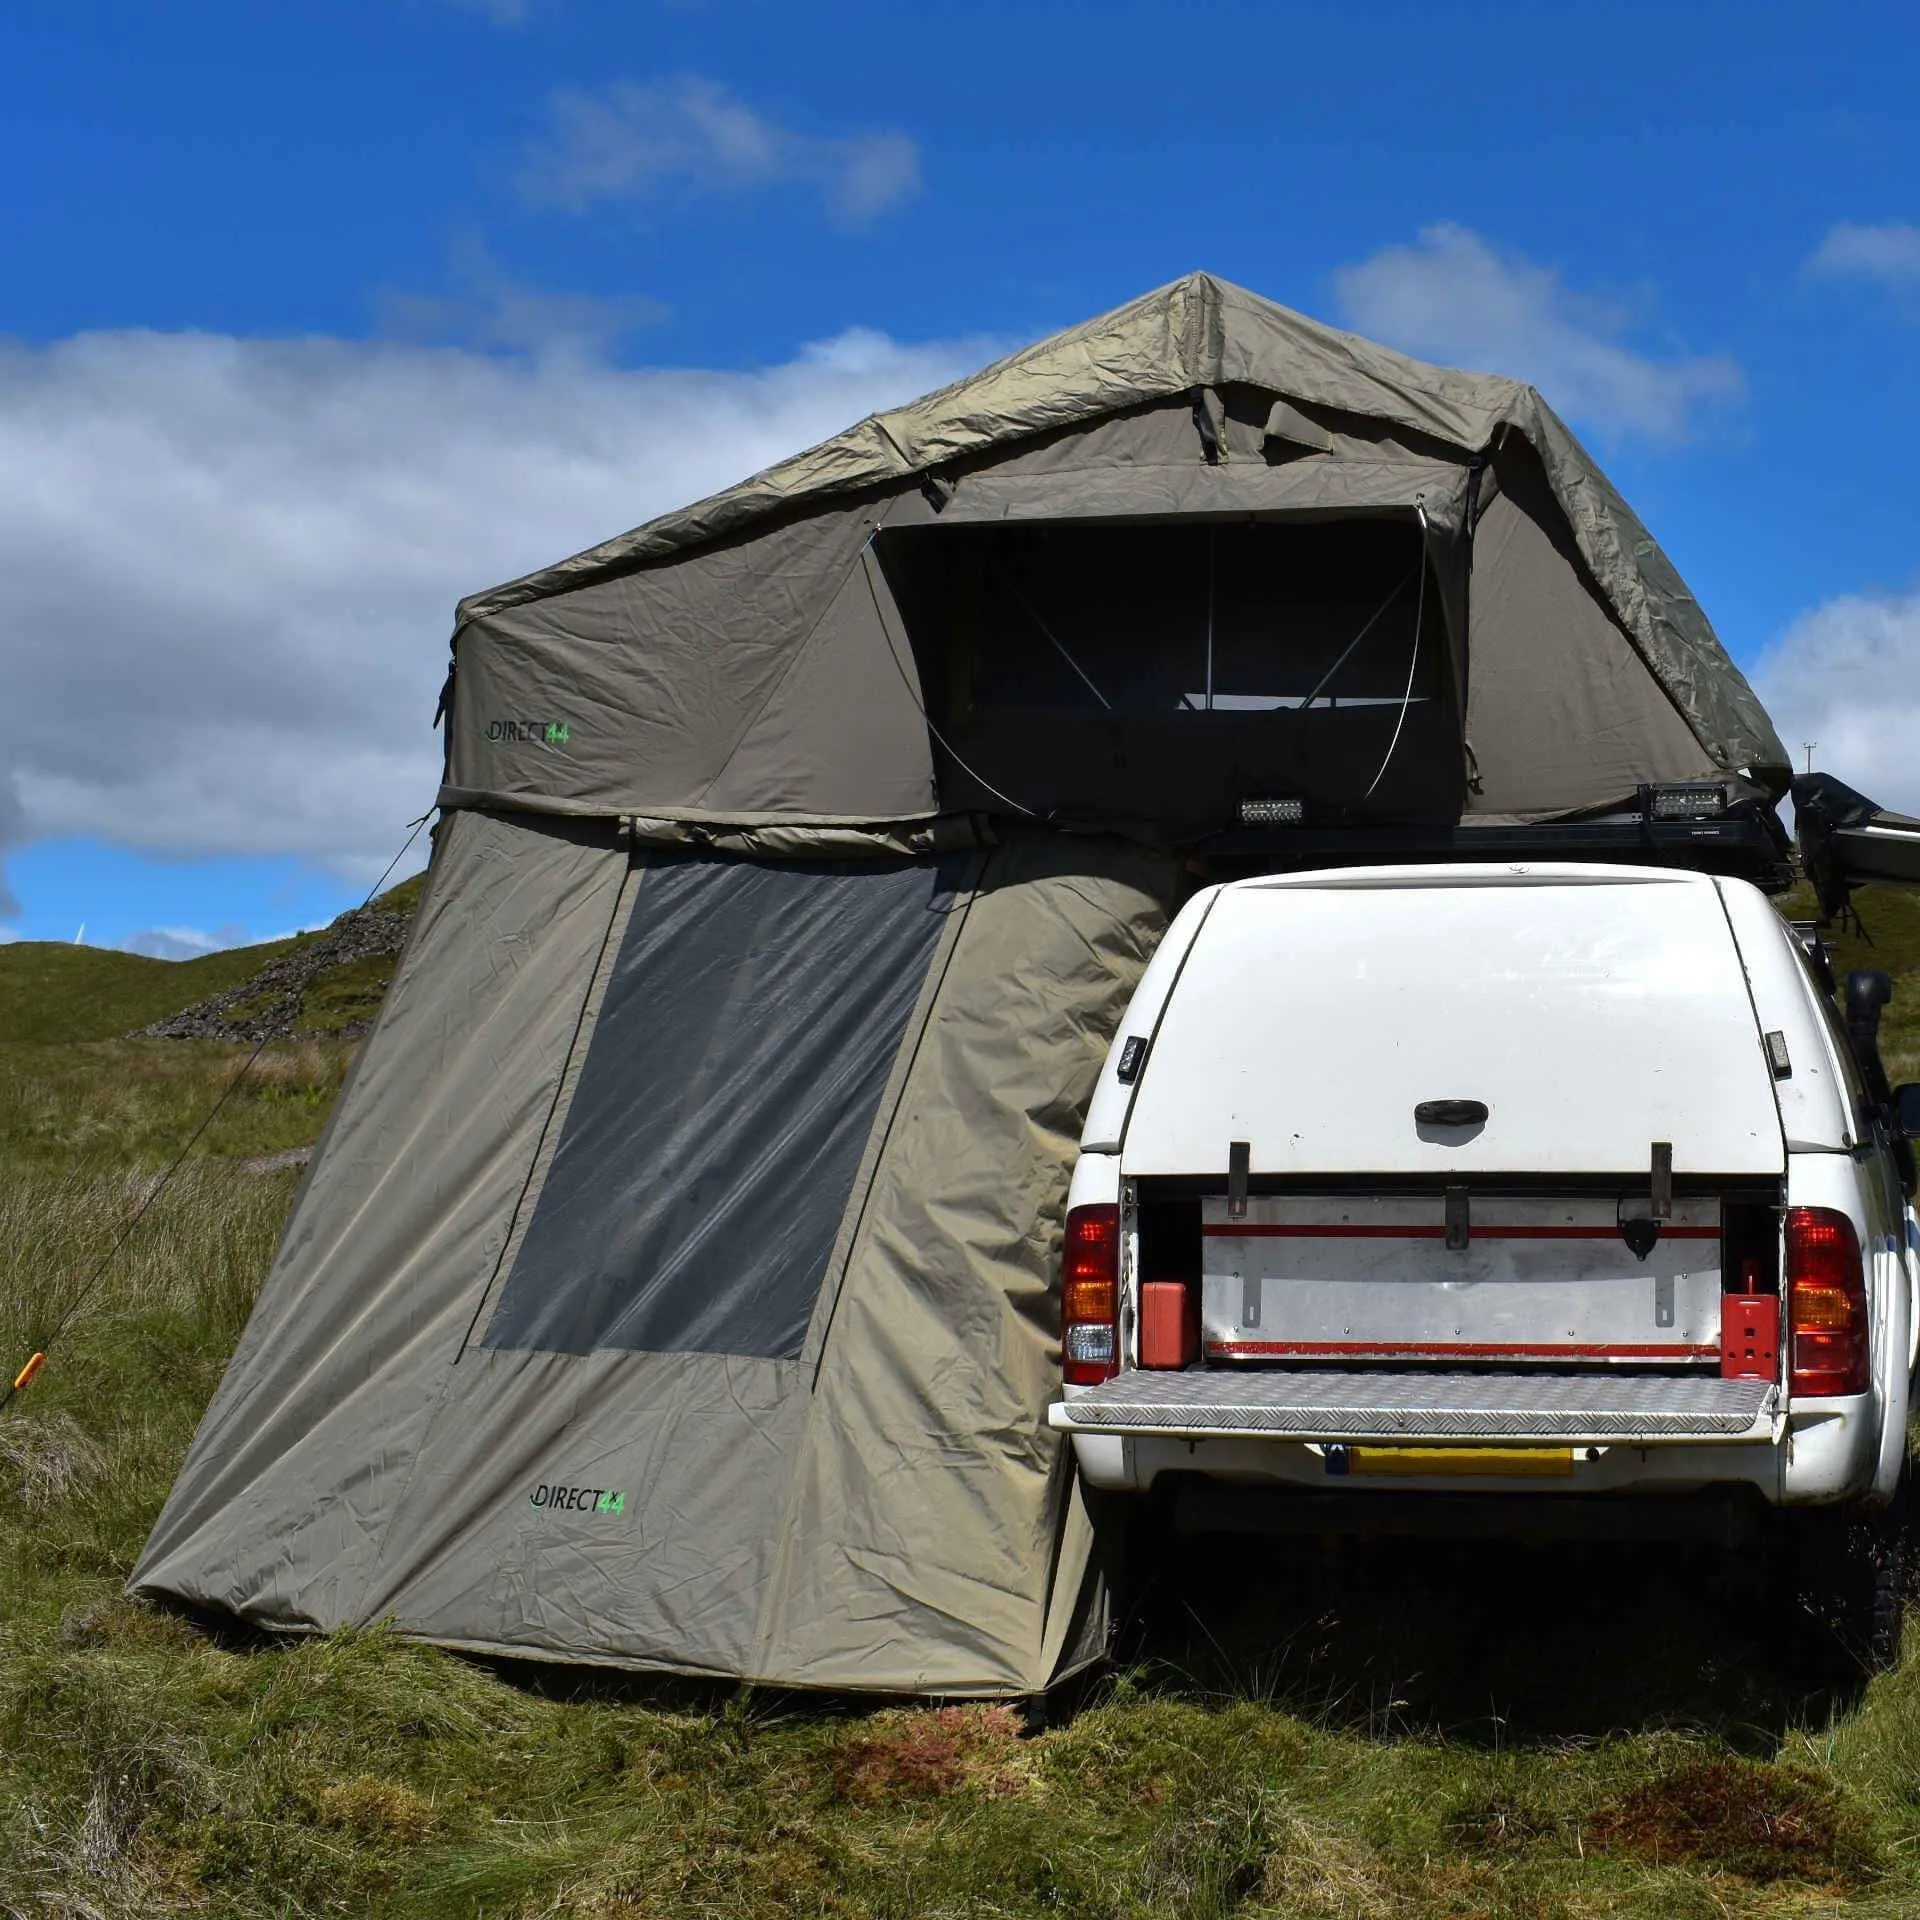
<point x="1388" y="1732"/>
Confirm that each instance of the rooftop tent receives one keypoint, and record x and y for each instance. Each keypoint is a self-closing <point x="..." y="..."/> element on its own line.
<point x="674" y="1285"/>
<point x="788" y="651"/>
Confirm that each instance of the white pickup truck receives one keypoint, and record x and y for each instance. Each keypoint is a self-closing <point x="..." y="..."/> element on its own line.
<point x="1474" y="1198"/>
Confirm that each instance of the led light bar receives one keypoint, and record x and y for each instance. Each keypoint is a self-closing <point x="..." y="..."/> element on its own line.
<point x="1272" y="813"/>
<point x="1691" y="800"/>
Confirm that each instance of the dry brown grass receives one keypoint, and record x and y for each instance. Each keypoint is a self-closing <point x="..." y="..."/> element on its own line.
<point x="1763" y="1823"/>
<point x="926" y="1755"/>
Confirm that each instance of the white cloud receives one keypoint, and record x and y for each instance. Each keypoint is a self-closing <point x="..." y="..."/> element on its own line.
<point x="634" y="140"/>
<point x="182" y="943"/>
<point x="1888" y="255"/>
<point x="1847" y="676"/>
<point x="486" y="307"/>
<point x="1453" y="297"/>
<point x="231" y="564"/>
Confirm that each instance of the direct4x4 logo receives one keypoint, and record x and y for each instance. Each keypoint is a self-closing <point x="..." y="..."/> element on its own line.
<point x="579" y="1499"/>
<point x="545" y="733"/>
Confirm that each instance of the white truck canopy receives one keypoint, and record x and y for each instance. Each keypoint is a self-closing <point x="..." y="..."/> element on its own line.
<point x="1592" y="1010"/>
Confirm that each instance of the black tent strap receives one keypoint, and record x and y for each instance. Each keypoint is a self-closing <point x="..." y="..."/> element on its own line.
<point x="1207" y="428"/>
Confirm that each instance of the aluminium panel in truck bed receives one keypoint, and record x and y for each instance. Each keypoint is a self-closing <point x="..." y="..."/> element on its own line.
<point x="1535" y="1280"/>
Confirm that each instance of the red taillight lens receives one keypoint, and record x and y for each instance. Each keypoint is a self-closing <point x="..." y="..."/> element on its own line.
<point x="1826" y="1304"/>
<point x="1090" y="1296"/>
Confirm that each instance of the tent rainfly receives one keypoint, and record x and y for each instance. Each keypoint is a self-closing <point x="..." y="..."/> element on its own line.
<point x="674" y="1285"/>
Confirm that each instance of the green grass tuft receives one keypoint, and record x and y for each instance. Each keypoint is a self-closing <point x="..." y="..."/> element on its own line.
<point x="137" y="1102"/>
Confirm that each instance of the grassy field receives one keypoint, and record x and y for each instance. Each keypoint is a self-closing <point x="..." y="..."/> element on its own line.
<point x="1888" y="937"/>
<point x="52" y="994"/>
<point x="1397" y="1732"/>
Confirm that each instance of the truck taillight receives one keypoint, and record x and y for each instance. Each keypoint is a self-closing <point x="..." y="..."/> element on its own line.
<point x="1826" y="1304"/>
<point x="1090" y="1296"/>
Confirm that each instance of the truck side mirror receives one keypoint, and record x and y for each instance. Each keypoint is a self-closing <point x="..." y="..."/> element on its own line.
<point x="1906" y="1111"/>
<point x="1869" y="990"/>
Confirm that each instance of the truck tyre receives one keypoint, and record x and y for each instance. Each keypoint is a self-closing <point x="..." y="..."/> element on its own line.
<point x="1884" y="1546"/>
<point x="1852" y="1572"/>
<point x="1134" y="1542"/>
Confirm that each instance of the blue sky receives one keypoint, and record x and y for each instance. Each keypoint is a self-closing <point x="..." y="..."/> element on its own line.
<point x="318" y="316"/>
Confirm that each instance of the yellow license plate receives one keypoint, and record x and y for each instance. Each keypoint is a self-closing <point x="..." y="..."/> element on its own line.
<point x="1507" y="1463"/>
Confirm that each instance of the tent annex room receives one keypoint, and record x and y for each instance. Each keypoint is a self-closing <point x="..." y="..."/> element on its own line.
<point x="675" y="1285"/>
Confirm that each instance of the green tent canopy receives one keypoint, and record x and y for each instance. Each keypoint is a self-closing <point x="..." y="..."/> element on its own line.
<point x="675" y="1284"/>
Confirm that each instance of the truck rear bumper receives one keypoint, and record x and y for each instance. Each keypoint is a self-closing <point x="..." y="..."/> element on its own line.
<point x="1314" y="1404"/>
<point x="1724" y="1514"/>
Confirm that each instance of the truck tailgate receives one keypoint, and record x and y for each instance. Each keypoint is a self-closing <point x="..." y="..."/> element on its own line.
<point x="1325" y="1404"/>
<point x="1530" y="1280"/>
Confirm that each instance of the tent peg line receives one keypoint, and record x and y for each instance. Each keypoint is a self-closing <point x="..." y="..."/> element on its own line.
<point x="27" y="1374"/>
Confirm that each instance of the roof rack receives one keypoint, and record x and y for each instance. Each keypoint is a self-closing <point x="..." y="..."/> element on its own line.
<point x="1690" y="824"/>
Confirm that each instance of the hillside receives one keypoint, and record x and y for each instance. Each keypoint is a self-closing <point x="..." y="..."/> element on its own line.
<point x="85" y="1079"/>
<point x="51" y="993"/>
<point x="329" y="982"/>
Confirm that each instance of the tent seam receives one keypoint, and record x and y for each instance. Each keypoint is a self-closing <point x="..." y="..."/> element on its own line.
<point x="595" y="975"/>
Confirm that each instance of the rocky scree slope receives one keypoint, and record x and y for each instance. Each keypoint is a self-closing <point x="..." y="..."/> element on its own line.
<point x="329" y="982"/>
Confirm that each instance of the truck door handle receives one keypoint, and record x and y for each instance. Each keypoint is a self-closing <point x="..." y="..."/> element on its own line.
<point x="1450" y="1113"/>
